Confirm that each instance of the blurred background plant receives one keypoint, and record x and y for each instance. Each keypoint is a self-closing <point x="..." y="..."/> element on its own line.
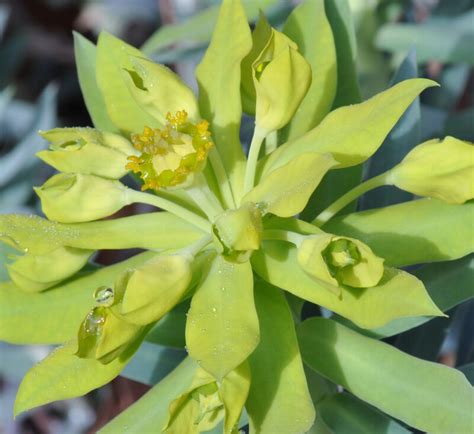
<point x="395" y="39"/>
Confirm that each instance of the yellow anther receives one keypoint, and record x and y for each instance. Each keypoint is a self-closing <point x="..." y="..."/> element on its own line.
<point x="170" y="155"/>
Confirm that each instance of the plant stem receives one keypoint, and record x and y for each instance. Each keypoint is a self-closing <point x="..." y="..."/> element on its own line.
<point x="282" y="235"/>
<point x="257" y="140"/>
<point x="202" y="195"/>
<point x="195" y="248"/>
<point x="222" y="178"/>
<point x="177" y="210"/>
<point x="349" y="197"/>
<point x="271" y="142"/>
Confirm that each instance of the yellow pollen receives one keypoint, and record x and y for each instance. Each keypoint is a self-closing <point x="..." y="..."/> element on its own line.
<point x="169" y="156"/>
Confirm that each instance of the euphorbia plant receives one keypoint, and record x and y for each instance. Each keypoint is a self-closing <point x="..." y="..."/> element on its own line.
<point x="228" y="242"/>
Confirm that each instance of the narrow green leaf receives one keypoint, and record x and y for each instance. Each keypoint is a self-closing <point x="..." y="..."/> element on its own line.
<point x="54" y="316"/>
<point x="352" y="134"/>
<point x="344" y="413"/>
<point x="308" y="26"/>
<point x="340" y="18"/>
<point x="398" y="294"/>
<point x="286" y="190"/>
<point x="85" y="54"/>
<point x="63" y="375"/>
<point x="218" y="76"/>
<point x="113" y="56"/>
<point x="222" y="325"/>
<point x="279" y="400"/>
<point x="160" y="230"/>
<point x="417" y="239"/>
<point x="150" y="413"/>
<point x="428" y="396"/>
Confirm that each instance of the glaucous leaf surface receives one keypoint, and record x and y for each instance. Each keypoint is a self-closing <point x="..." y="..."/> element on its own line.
<point x="343" y="413"/>
<point x="428" y="396"/>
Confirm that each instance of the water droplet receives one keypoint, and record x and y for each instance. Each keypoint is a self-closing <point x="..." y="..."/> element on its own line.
<point x="104" y="296"/>
<point x="94" y="321"/>
<point x="214" y="309"/>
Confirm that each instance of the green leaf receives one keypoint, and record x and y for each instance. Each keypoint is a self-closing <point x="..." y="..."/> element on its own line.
<point x="397" y="295"/>
<point x="54" y="316"/>
<point x="352" y="134"/>
<point x="113" y="56"/>
<point x="150" y="413"/>
<point x="406" y="241"/>
<point x="279" y="399"/>
<point x="446" y="39"/>
<point x="63" y="375"/>
<point x="438" y="280"/>
<point x="151" y="363"/>
<point x="340" y="18"/>
<point x="428" y="396"/>
<point x="218" y="76"/>
<point x="222" y="325"/>
<point x="159" y="230"/>
<point x="344" y="413"/>
<point x="308" y="26"/>
<point x="85" y="54"/>
<point x="286" y="190"/>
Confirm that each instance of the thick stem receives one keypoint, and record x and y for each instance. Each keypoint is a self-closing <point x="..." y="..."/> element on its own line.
<point x="257" y="140"/>
<point x="167" y="205"/>
<point x="349" y="197"/>
<point x="271" y="142"/>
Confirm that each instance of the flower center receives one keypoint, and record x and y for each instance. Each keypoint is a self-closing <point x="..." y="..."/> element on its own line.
<point x="170" y="155"/>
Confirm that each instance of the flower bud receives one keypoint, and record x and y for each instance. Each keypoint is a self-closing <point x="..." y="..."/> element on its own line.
<point x="34" y="273"/>
<point x="104" y="336"/>
<point x="281" y="77"/>
<point x="337" y="261"/>
<point x="148" y="292"/>
<point x="87" y="151"/>
<point x="169" y="157"/>
<point x="70" y="198"/>
<point x="238" y="232"/>
<point x="443" y="169"/>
